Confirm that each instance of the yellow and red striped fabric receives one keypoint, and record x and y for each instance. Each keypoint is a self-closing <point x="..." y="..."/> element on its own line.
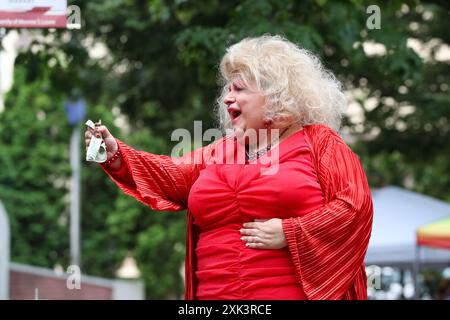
<point x="435" y="235"/>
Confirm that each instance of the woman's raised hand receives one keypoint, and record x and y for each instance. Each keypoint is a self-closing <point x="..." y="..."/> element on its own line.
<point x="102" y="131"/>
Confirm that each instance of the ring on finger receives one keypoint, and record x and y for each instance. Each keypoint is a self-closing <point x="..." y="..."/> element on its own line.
<point x="254" y="239"/>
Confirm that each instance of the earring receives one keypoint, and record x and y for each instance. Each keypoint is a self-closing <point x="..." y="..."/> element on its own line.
<point x="268" y="122"/>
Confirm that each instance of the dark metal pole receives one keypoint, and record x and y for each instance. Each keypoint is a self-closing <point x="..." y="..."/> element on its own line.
<point x="417" y="274"/>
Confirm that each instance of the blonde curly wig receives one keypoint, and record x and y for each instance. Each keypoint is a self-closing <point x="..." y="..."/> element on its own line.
<point x="296" y="86"/>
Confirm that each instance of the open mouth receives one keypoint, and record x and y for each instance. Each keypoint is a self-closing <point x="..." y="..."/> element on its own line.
<point x="234" y="113"/>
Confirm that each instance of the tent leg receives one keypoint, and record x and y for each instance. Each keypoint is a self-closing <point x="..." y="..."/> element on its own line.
<point x="402" y="282"/>
<point x="416" y="274"/>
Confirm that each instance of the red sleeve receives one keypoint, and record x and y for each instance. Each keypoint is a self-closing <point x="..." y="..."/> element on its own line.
<point x="328" y="245"/>
<point x="159" y="181"/>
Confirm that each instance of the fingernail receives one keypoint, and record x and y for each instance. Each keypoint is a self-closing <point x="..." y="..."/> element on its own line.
<point x="242" y="238"/>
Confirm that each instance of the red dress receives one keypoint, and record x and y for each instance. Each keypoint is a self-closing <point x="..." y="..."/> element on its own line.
<point x="224" y="197"/>
<point x="327" y="234"/>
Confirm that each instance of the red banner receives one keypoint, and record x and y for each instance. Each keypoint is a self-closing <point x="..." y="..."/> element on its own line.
<point x="26" y="15"/>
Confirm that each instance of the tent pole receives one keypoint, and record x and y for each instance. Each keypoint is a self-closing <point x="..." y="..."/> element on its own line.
<point x="416" y="273"/>
<point x="402" y="282"/>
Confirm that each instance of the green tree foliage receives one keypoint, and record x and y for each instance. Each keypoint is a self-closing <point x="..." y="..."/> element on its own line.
<point x="34" y="170"/>
<point x="158" y="72"/>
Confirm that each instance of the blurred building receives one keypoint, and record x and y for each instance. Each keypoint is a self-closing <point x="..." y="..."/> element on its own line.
<point x="30" y="282"/>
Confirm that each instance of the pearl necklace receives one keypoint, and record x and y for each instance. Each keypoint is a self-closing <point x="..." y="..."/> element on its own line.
<point x="253" y="155"/>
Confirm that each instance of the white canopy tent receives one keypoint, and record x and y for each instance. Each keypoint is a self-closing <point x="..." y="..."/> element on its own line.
<point x="398" y="213"/>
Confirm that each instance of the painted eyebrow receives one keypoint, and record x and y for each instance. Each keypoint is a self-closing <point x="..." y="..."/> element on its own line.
<point x="239" y="83"/>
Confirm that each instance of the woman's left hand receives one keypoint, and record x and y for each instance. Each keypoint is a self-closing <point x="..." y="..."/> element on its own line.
<point x="264" y="234"/>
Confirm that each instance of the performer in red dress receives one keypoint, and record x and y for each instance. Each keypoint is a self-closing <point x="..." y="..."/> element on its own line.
<point x="300" y="232"/>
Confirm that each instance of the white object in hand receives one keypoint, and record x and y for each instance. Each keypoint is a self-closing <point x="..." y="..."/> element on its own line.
<point x="96" y="151"/>
<point x="90" y="124"/>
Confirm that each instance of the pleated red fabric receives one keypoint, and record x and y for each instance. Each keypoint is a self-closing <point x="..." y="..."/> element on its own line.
<point x="227" y="195"/>
<point x="329" y="245"/>
<point x="326" y="246"/>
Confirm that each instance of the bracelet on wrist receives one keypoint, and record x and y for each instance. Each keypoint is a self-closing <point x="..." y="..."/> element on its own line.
<point x="115" y="156"/>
